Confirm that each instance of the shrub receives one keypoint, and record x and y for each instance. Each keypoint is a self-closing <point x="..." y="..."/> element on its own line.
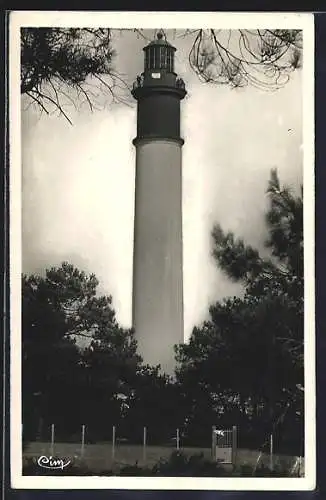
<point x="180" y="464"/>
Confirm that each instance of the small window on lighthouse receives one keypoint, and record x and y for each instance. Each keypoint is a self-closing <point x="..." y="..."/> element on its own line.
<point x="156" y="75"/>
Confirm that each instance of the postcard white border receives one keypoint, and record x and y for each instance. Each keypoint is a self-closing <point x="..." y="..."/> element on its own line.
<point x="149" y="20"/>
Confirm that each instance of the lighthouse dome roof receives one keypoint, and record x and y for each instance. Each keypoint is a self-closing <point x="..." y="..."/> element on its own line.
<point x="159" y="40"/>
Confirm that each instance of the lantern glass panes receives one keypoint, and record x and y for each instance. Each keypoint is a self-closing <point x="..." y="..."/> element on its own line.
<point x="152" y="57"/>
<point x="159" y="57"/>
<point x="163" y="58"/>
<point x="170" y="60"/>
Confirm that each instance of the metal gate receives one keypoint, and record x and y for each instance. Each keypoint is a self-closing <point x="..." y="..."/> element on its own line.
<point x="224" y="445"/>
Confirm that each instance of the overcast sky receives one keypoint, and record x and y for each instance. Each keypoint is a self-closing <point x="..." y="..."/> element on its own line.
<point x="78" y="181"/>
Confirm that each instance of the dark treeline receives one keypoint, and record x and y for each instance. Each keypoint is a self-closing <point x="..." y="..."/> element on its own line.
<point x="243" y="367"/>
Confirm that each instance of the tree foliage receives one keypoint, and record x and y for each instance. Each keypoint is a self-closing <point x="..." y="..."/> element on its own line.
<point x="248" y="358"/>
<point x="75" y="354"/>
<point x="61" y="66"/>
<point x="154" y="402"/>
<point x="284" y="220"/>
<point x="262" y="57"/>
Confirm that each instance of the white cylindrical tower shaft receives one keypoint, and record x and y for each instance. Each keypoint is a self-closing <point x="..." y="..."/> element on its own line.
<point x="157" y="280"/>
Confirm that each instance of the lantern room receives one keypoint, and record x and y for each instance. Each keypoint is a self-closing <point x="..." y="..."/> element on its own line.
<point x="159" y="55"/>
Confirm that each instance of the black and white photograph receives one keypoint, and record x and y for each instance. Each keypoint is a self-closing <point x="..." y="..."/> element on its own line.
<point x="162" y="250"/>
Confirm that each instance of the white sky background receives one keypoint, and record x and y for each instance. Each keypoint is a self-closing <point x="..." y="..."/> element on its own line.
<point x="78" y="181"/>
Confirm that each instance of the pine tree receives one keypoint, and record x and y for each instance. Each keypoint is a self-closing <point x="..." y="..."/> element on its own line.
<point x="249" y="355"/>
<point x="76" y="357"/>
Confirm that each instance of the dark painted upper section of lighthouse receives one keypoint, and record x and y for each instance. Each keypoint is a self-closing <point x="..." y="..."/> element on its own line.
<point x="158" y="91"/>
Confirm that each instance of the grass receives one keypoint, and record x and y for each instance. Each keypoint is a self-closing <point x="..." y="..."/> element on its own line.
<point x="99" y="457"/>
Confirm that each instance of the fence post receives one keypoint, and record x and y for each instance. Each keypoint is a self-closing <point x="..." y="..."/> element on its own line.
<point x="271" y="451"/>
<point x="300" y="466"/>
<point x="113" y="442"/>
<point x="144" y="444"/>
<point x="234" y="445"/>
<point x="178" y="439"/>
<point x="82" y="441"/>
<point x="214" y="442"/>
<point x="52" y="440"/>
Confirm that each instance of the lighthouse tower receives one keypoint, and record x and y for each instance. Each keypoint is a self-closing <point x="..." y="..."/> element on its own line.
<point x="157" y="266"/>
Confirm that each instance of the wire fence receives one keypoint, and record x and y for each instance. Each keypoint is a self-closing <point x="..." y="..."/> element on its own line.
<point x="84" y="439"/>
<point x="223" y="448"/>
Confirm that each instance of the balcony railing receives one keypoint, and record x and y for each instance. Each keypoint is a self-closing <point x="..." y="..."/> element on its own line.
<point x="139" y="83"/>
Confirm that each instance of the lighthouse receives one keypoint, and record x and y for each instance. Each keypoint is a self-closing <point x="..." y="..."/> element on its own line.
<point x="157" y="306"/>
